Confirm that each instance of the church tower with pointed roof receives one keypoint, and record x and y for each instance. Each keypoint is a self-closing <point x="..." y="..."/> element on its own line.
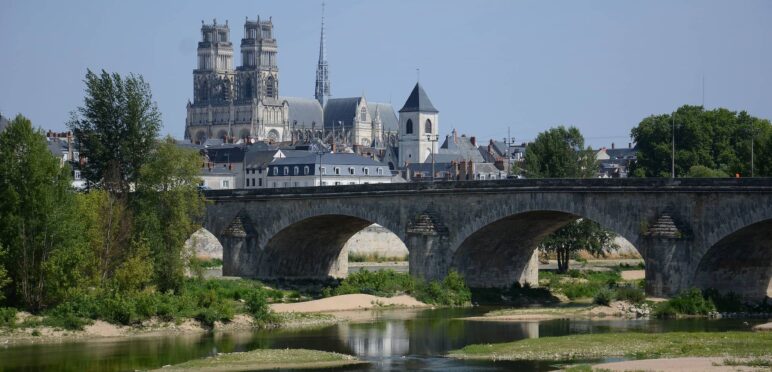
<point x="418" y="128"/>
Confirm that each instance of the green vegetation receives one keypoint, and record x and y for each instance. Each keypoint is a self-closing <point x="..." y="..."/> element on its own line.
<point x="690" y="302"/>
<point x="717" y="142"/>
<point x="579" y="284"/>
<point x="754" y="362"/>
<point x="7" y="317"/>
<point x="579" y="235"/>
<point x="560" y="153"/>
<point x="374" y="257"/>
<point x="451" y="291"/>
<point x="603" y="297"/>
<point x="263" y="359"/>
<point x="632" y="345"/>
<point x="515" y="295"/>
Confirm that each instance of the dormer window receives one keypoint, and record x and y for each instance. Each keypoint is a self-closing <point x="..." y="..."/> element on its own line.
<point x="305" y="170"/>
<point x="275" y="171"/>
<point x="351" y="171"/>
<point x="296" y="171"/>
<point x="286" y="171"/>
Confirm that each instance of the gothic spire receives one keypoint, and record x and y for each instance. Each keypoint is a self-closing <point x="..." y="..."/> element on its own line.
<point x="322" y="92"/>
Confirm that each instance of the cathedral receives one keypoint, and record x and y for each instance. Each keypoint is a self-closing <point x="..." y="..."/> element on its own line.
<point x="244" y="104"/>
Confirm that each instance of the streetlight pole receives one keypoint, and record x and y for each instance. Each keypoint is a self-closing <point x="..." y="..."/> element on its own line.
<point x="753" y="139"/>
<point x="433" y="139"/>
<point x="672" y="157"/>
<point x="320" y="153"/>
<point x="508" y="142"/>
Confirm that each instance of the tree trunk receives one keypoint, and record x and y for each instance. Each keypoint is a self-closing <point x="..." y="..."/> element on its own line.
<point x="563" y="255"/>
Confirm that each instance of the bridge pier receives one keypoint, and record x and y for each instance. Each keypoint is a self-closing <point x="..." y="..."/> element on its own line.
<point x="427" y="245"/>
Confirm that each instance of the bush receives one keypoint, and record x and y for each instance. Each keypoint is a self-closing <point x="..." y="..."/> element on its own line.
<point x="384" y="283"/>
<point x="689" y="302"/>
<point x="7" y="317"/>
<point x="603" y="297"/>
<point x="257" y="306"/>
<point x="452" y="291"/>
<point x="630" y="294"/>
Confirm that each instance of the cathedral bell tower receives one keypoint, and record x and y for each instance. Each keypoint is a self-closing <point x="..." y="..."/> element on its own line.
<point x="258" y="75"/>
<point x="213" y="79"/>
<point x="418" y="128"/>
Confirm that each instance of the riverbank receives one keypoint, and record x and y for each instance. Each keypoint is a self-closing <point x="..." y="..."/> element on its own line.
<point x="687" y="364"/>
<point x="266" y="359"/>
<point x="628" y="345"/>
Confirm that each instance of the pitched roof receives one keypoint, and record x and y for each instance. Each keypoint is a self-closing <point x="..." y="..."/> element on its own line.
<point x="304" y="113"/>
<point x="340" y="109"/>
<point x="418" y="101"/>
<point x="389" y="121"/>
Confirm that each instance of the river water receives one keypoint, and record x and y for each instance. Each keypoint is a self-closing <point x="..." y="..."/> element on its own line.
<point x="394" y="340"/>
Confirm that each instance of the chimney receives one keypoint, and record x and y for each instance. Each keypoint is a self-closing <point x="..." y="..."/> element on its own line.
<point x="629" y="145"/>
<point x="455" y="136"/>
<point x="612" y="145"/>
<point x="473" y="140"/>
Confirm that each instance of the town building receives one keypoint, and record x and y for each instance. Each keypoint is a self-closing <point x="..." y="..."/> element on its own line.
<point x="326" y="169"/>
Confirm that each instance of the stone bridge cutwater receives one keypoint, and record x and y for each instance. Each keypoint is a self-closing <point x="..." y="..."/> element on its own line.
<point x="704" y="233"/>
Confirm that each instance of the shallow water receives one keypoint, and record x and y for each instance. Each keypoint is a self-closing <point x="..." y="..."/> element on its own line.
<point x="395" y="340"/>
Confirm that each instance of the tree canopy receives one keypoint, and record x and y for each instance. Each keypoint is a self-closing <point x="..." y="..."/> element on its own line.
<point x="582" y="234"/>
<point x="116" y="127"/>
<point x="719" y="140"/>
<point x="560" y="153"/>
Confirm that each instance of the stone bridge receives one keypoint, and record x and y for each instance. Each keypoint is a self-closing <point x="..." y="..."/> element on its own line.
<point x="706" y="233"/>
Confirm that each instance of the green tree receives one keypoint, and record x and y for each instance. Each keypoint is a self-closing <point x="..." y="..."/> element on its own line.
<point x="107" y="230"/>
<point x="116" y="126"/>
<point x="560" y="153"/>
<point x="700" y="171"/>
<point x="36" y="210"/>
<point x="169" y="209"/>
<point x="582" y="234"/>
<point x="4" y="279"/>
<point x="719" y="140"/>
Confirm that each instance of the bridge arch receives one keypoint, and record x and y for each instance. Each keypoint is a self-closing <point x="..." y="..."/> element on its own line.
<point x="503" y="250"/>
<point x="311" y="248"/>
<point x="740" y="262"/>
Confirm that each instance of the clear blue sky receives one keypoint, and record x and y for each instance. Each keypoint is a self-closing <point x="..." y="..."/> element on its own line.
<point x="599" y="65"/>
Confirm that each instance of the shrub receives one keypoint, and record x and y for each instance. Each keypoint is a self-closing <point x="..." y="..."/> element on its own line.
<point x="257" y="306"/>
<point x="385" y="283"/>
<point x="690" y="302"/>
<point x="603" y="297"/>
<point x="452" y="291"/>
<point x="729" y="302"/>
<point x="217" y="311"/>
<point x="630" y="294"/>
<point x="7" y="317"/>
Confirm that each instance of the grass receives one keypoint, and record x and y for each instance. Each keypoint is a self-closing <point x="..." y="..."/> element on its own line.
<point x="579" y="284"/>
<point x="631" y="345"/>
<point x="754" y="362"/>
<point x="263" y="359"/>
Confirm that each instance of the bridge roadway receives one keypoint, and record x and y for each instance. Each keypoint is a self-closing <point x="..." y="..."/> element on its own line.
<point x="705" y="233"/>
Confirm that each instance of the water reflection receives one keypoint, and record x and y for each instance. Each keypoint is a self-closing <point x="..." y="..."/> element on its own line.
<point x="395" y="340"/>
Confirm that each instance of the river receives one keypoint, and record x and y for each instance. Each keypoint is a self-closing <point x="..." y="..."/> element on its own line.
<point x="394" y="340"/>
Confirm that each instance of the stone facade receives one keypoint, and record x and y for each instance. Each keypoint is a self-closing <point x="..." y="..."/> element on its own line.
<point x="489" y="231"/>
<point x="376" y="240"/>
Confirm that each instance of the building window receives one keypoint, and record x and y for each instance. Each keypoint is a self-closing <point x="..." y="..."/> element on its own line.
<point x="337" y="183"/>
<point x="286" y="171"/>
<point x="324" y="170"/>
<point x="275" y="171"/>
<point x="77" y="175"/>
<point x="296" y="171"/>
<point x="286" y="184"/>
<point x="409" y="127"/>
<point x="380" y="171"/>
<point x="351" y="170"/>
<point x="274" y="185"/>
<point x="352" y="183"/>
<point x="324" y="183"/>
<point x="305" y="170"/>
<point x="226" y="184"/>
<point x="366" y="171"/>
<point x="428" y="126"/>
<point x="297" y="184"/>
<point x="363" y="114"/>
<point x="260" y="182"/>
<point x="269" y="87"/>
<point x="337" y="170"/>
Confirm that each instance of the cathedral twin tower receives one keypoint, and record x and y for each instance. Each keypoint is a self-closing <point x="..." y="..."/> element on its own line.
<point x="244" y="103"/>
<point x="240" y="103"/>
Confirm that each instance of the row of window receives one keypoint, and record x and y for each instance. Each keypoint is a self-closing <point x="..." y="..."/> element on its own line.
<point x="336" y="170"/>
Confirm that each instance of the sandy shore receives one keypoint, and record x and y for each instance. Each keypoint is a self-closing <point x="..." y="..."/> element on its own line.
<point x="347" y="303"/>
<point x="691" y="364"/>
<point x="633" y="274"/>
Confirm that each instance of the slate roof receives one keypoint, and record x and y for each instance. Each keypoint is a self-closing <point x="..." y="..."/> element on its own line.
<point x="462" y="149"/>
<point x="340" y="109"/>
<point x="624" y="153"/>
<point x="225" y="154"/>
<point x="255" y="158"/>
<point x="389" y="120"/>
<point x="418" y="101"/>
<point x="306" y="112"/>
<point x="329" y="159"/>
